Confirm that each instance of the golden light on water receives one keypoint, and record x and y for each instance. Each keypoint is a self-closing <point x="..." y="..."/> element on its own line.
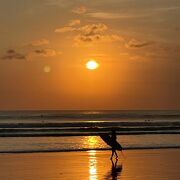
<point x="92" y="65"/>
<point x="92" y="165"/>
<point x="91" y="142"/>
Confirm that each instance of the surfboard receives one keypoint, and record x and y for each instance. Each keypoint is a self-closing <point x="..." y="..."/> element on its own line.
<point x="107" y="139"/>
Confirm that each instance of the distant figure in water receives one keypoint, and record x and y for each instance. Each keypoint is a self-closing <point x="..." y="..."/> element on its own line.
<point x="113" y="138"/>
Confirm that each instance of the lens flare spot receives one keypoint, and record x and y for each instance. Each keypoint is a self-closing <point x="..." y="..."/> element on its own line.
<point x="47" y="69"/>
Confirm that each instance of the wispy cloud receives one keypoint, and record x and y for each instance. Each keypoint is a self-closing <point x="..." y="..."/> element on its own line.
<point x="69" y="27"/>
<point x="134" y="43"/>
<point x="172" y="8"/>
<point x="90" y="33"/>
<point x="95" y="33"/>
<point x="74" y="22"/>
<point x="39" y="42"/>
<point x="140" y="13"/>
<point x="47" y="52"/>
<point x="79" y="10"/>
<point x="93" y="29"/>
<point x="64" y="29"/>
<point x="11" y="54"/>
<point x="108" y="15"/>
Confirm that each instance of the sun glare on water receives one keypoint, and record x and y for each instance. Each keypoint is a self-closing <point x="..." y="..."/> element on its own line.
<point x="92" y="65"/>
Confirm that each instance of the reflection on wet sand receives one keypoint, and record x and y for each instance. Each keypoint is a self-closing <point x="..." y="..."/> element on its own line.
<point x="92" y="165"/>
<point x="96" y="163"/>
<point x="115" y="171"/>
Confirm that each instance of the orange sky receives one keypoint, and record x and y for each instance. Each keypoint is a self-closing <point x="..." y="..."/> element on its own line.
<point x="45" y="45"/>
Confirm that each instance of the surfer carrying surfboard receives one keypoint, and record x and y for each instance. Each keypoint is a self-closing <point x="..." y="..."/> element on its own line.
<point x="110" y="139"/>
<point x="114" y="143"/>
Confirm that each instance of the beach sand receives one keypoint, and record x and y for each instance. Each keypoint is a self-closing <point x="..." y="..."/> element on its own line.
<point x="157" y="164"/>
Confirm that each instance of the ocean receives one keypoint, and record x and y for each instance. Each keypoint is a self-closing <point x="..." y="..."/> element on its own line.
<point x="53" y="131"/>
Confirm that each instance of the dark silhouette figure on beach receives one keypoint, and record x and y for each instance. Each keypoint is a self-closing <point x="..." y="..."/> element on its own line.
<point x="115" y="172"/>
<point x="113" y="138"/>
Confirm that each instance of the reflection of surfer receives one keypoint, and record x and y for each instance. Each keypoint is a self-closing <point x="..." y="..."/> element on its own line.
<point x="115" y="172"/>
<point x="113" y="139"/>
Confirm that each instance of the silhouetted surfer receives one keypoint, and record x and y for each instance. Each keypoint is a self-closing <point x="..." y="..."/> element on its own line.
<point x="110" y="139"/>
<point x="113" y="138"/>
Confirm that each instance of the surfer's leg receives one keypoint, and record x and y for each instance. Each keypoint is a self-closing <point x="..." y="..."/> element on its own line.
<point x="116" y="154"/>
<point x="112" y="154"/>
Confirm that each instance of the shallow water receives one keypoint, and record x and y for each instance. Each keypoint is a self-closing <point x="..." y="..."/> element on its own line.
<point x="76" y="143"/>
<point x="56" y="123"/>
<point x="31" y="131"/>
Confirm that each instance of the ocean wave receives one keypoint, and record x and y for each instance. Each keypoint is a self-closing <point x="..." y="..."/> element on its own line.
<point x="109" y="114"/>
<point x="87" y="128"/>
<point x="89" y="124"/>
<point x="85" y="143"/>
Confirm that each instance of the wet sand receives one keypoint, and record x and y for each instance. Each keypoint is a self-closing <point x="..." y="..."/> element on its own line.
<point x="157" y="164"/>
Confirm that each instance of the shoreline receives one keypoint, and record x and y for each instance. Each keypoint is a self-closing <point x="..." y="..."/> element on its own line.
<point x="90" y="134"/>
<point x="85" y="150"/>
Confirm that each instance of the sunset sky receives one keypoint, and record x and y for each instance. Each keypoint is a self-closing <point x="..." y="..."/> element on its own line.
<point x="45" y="45"/>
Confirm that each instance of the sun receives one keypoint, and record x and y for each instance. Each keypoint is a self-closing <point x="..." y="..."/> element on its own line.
<point x="92" y="65"/>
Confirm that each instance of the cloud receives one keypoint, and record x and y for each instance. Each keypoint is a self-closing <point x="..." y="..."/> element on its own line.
<point x="47" y="52"/>
<point x="11" y="54"/>
<point x="69" y="27"/>
<point x="90" y="33"/>
<point x="91" y="29"/>
<point x="111" y="38"/>
<point x="139" y="13"/>
<point x="79" y="10"/>
<point x="81" y="38"/>
<point x="105" y="15"/>
<point x="95" y="32"/>
<point x="39" y="42"/>
<point x="165" y="9"/>
<point x="74" y="22"/>
<point x="88" y="30"/>
<point x="134" y="43"/>
<point x="64" y="29"/>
